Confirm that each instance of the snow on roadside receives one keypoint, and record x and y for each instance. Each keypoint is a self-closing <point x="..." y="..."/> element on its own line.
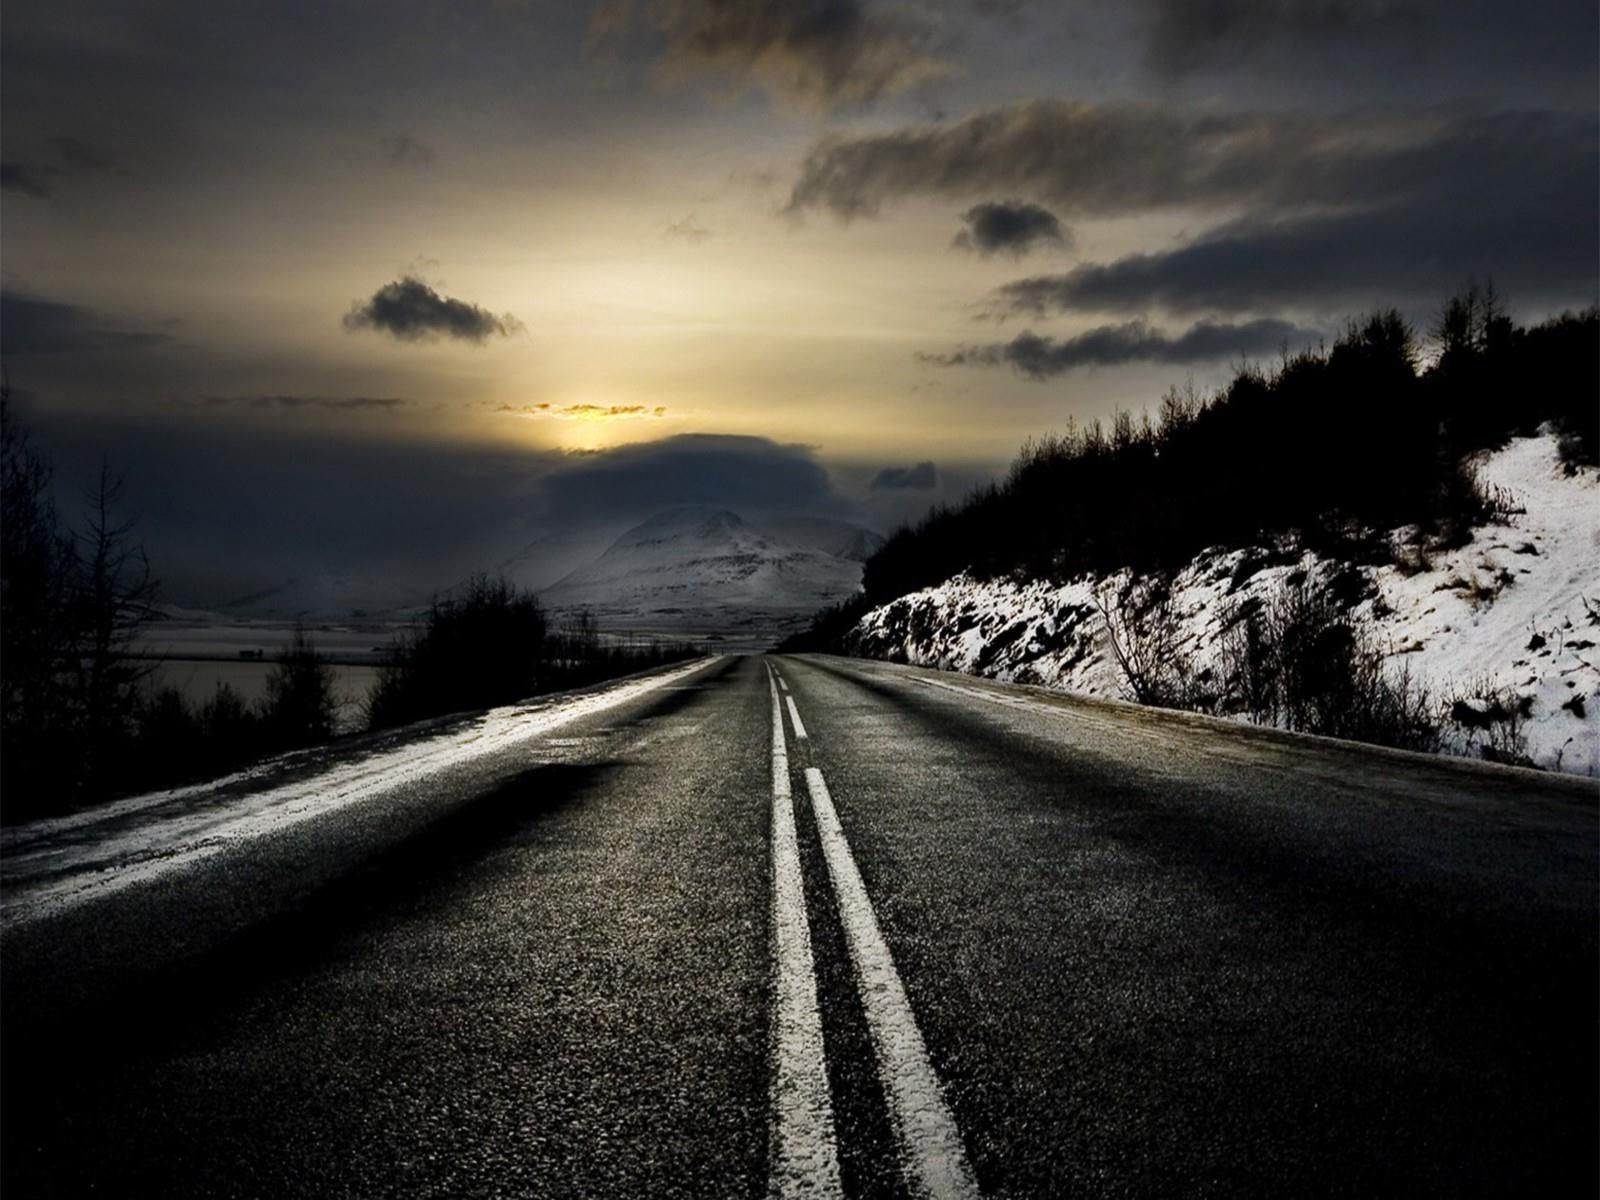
<point x="52" y="863"/>
<point x="1515" y="610"/>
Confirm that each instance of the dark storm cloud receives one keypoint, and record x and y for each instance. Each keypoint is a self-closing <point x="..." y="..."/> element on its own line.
<point x="740" y="473"/>
<point x="17" y="177"/>
<point x="1009" y="226"/>
<point x="1186" y="34"/>
<point x="33" y="325"/>
<point x="812" y="53"/>
<point x="923" y="477"/>
<point x="1356" y="208"/>
<point x="412" y="311"/>
<point x="1114" y="345"/>
<point x="1459" y="38"/>
<point x="1124" y="159"/>
<point x="1088" y="158"/>
<point x="1540" y="251"/>
<point x="403" y="150"/>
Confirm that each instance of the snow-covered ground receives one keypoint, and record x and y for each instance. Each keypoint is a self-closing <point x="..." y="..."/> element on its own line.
<point x="65" y="860"/>
<point x="1515" y="612"/>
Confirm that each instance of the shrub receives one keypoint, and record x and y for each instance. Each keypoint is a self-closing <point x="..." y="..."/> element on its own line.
<point x="300" y="708"/>
<point x="174" y="742"/>
<point x="231" y="732"/>
<point x="490" y="644"/>
<point x="1304" y="661"/>
<point x="1143" y="630"/>
<point x="1490" y="721"/>
<point x="168" y="734"/>
<point x="829" y="629"/>
<point x="481" y="647"/>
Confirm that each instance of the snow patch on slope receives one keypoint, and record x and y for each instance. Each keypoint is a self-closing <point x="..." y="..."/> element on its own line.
<point x="1517" y="609"/>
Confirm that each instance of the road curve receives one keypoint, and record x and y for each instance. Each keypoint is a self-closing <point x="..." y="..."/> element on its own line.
<point x="813" y="927"/>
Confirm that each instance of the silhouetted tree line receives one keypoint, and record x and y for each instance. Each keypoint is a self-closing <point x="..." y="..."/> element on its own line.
<point x="78" y="719"/>
<point x="825" y="633"/>
<point x="72" y="599"/>
<point x="491" y="644"/>
<point x="1337" y="445"/>
<point x="177" y="741"/>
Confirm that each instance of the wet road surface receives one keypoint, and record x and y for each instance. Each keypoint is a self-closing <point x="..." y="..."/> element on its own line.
<point x="812" y="926"/>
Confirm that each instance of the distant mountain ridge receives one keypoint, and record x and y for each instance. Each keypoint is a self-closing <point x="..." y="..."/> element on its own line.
<point x="842" y="539"/>
<point x="696" y="566"/>
<point x="709" y="566"/>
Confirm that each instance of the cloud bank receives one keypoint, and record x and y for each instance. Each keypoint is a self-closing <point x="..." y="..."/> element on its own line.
<point x="33" y="325"/>
<point x="1041" y="358"/>
<point x="1458" y="40"/>
<point x="815" y="54"/>
<point x="1123" y="159"/>
<point x="1542" y="248"/>
<point x="585" y="412"/>
<point x="1315" y="210"/>
<point x="742" y="473"/>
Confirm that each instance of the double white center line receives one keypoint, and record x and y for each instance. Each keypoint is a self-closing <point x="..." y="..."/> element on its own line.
<point x="805" y="1160"/>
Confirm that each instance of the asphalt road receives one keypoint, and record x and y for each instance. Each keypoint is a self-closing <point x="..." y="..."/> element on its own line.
<point x="935" y="936"/>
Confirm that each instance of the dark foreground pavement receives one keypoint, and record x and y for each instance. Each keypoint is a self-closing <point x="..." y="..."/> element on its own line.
<point x="1146" y="956"/>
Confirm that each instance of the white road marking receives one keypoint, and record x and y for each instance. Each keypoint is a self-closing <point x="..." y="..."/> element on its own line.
<point x="783" y="683"/>
<point x="926" y="1129"/>
<point x="794" y="715"/>
<point x="805" y="1157"/>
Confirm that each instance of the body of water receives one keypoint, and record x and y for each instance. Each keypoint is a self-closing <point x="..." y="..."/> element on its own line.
<point x="198" y="679"/>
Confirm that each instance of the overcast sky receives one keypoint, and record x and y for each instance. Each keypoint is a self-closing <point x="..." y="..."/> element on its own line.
<point x="354" y="268"/>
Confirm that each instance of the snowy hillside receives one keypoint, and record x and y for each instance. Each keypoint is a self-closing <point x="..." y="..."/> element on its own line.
<point x="705" y="566"/>
<point x="1516" y="612"/>
<point x="353" y="594"/>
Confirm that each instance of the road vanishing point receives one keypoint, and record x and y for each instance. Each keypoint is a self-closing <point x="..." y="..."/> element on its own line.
<point x="810" y="927"/>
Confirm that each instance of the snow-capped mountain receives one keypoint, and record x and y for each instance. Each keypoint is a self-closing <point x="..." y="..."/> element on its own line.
<point x="705" y="567"/>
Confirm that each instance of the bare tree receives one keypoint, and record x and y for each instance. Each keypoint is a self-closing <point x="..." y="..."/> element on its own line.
<point x="1144" y="632"/>
<point x="38" y="641"/>
<point x="71" y="607"/>
<point x="115" y="598"/>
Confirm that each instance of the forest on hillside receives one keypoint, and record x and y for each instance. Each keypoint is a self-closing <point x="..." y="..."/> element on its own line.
<point x="1334" y="446"/>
